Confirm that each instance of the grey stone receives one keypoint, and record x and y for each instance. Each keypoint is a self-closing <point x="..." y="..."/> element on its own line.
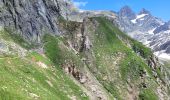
<point x="32" y="18"/>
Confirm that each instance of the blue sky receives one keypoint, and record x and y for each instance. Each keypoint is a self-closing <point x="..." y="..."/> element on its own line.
<point x="159" y="8"/>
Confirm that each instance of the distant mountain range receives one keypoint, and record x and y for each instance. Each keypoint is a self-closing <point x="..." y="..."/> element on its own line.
<point x="146" y="28"/>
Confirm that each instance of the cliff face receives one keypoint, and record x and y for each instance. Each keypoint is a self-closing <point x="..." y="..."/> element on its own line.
<point x="32" y="18"/>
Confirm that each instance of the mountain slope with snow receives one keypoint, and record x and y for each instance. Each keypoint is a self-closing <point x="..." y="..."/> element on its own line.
<point x="150" y="30"/>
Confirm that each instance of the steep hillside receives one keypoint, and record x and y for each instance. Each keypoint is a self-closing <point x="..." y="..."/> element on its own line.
<point x="122" y="65"/>
<point x="92" y="60"/>
<point x="29" y="75"/>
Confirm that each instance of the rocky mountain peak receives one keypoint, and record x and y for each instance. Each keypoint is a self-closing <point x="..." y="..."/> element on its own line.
<point x="144" y="11"/>
<point x="125" y="8"/>
<point x="126" y="11"/>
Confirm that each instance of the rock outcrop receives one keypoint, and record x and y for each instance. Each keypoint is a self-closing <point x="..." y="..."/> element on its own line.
<point x="32" y="18"/>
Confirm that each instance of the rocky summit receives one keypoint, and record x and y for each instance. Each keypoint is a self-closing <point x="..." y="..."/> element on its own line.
<point x="51" y="50"/>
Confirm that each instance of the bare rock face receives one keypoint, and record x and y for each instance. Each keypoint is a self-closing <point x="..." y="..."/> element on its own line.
<point x="32" y="18"/>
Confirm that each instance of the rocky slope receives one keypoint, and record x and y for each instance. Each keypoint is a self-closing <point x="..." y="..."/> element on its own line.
<point x="46" y="54"/>
<point x="32" y="18"/>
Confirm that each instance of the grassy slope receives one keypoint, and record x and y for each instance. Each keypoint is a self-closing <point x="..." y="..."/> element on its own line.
<point x="116" y="65"/>
<point x="23" y="78"/>
<point x="108" y="48"/>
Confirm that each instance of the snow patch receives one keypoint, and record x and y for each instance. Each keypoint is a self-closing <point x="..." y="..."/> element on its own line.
<point x="167" y="31"/>
<point x="151" y="31"/>
<point x="142" y="19"/>
<point x="162" y="55"/>
<point x="147" y="43"/>
<point x="133" y="21"/>
<point x="160" y="21"/>
<point x="139" y="17"/>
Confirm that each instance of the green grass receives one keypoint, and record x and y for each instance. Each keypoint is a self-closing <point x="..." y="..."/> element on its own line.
<point x="114" y="63"/>
<point x="8" y="35"/>
<point x="58" y="53"/>
<point x="141" y="49"/>
<point x="110" y="87"/>
<point x="136" y="46"/>
<point x="147" y="94"/>
<point x="7" y="95"/>
<point x="20" y="77"/>
<point x="51" y="48"/>
<point x="109" y="45"/>
<point x="131" y="61"/>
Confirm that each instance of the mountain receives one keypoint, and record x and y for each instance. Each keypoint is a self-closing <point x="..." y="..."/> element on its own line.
<point x="126" y="12"/>
<point x="124" y="17"/>
<point x="146" y="28"/>
<point x="164" y="27"/>
<point x="32" y="18"/>
<point x="47" y="54"/>
<point x="160" y="41"/>
<point x="143" y="21"/>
